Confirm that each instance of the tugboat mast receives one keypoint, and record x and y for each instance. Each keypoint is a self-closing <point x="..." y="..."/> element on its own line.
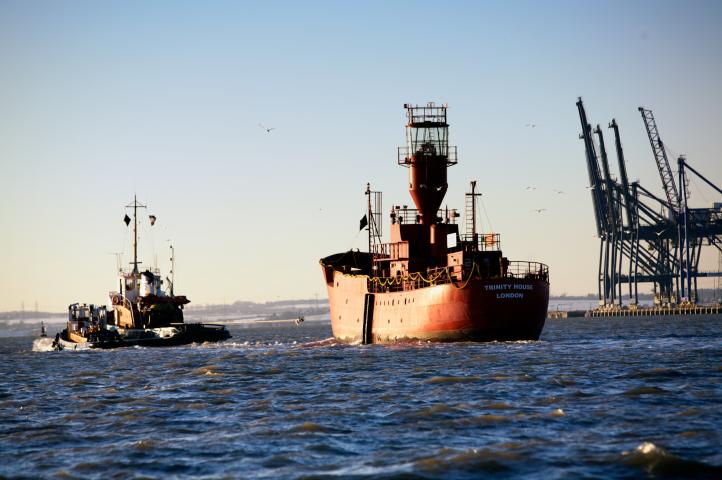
<point x="135" y="205"/>
<point x="172" y="270"/>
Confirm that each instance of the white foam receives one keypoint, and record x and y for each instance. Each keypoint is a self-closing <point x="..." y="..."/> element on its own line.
<point x="43" y="345"/>
<point x="647" y="448"/>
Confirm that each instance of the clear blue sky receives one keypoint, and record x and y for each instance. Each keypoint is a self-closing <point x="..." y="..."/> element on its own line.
<point x="101" y="100"/>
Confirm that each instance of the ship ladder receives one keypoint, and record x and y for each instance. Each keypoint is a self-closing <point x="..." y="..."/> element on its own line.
<point x="366" y="335"/>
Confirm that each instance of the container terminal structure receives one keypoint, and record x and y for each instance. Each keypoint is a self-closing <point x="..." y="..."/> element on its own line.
<point x="647" y="238"/>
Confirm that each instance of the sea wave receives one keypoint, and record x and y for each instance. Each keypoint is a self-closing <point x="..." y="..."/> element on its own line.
<point x="659" y="462"/>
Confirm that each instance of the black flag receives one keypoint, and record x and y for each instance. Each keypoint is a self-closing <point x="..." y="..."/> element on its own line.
<point x="127" y="220"/>
<point x="363" y="223"/>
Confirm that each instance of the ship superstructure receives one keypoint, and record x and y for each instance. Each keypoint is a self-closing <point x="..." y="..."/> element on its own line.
<point x="430" y="281"/>
<point x="140" y="301"/>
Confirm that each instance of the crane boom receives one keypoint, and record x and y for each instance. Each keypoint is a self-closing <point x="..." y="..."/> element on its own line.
<point x="595" y="176"/>
<point x="660" y="156"/>
<point x="623" y="175"/>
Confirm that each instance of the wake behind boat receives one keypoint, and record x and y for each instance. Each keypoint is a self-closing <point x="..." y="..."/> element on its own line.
<point x="141" y="314"/>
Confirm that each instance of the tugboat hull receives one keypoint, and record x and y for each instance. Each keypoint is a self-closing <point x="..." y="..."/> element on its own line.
<point x="178" y="334"/>
<point x="503" y="309"/>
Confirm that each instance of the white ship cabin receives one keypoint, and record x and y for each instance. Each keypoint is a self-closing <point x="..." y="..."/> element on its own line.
<point x="133" y="285"/>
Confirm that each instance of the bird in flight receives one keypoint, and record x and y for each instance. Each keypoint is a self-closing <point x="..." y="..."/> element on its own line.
<point x="531" y="188"/>
<point x="268" y="130"/>
<point x="531" y="125"/>
<point x="558" y="191"/>
<point x="539" y="210"/>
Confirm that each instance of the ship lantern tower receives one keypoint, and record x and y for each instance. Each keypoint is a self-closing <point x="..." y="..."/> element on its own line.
<point x="427" y="154"/>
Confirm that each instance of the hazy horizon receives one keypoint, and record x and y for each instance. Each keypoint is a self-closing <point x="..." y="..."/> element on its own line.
<point x="165" y="100"/>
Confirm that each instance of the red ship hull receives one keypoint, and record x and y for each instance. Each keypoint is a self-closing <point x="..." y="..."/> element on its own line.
<point x="503" y="309"/>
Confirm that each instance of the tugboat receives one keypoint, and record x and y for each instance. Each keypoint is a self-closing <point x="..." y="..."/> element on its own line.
<point x="142" y="313"/>
<point x="430" y="282"/>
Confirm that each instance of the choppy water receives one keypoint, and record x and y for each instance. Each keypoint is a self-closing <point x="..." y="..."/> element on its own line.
<point x="595" y="398"/>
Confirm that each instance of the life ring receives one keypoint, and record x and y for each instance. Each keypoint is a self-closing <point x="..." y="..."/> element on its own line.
<point x="116" y="299"/>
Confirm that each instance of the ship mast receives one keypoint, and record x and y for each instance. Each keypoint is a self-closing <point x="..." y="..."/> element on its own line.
<point x="473" y="209"/>
<point x="172" y="269"/>
<point x="374" y="214"/>
<point x="471" y="214"/>
<point x="370" y="215"/>
<point x="135" y="206"/>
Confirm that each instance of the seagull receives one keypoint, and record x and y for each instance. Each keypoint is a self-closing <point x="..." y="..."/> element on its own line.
<point x="531" y="188"/>
<point x="531" y="125"/>
<point x="539" y="210"/>
<point x="558" y="191"/>
<point x="268" y="130"/>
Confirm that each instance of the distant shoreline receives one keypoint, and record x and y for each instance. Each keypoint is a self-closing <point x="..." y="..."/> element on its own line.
<point x="309" y="306"/>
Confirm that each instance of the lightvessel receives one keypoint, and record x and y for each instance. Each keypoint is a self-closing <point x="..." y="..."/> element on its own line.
<point x="431" y="281"/>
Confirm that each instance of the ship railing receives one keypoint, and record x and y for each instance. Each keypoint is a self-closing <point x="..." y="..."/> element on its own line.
<point x="411" y="215"/>
<point x="444" y="275"/>
<point x="416" y="280"/>
<point x="392" y="251"/>
<point x="530" y="270"/>
<point x="482" y="242"/>
<point x="426" y="114"/>
<point x="450" y="152"/>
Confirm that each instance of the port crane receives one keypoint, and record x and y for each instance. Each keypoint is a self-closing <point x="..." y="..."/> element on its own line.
<point x="645" y="238"/>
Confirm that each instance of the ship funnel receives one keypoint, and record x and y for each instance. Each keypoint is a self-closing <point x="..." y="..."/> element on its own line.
<point x="427" y="154"/>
